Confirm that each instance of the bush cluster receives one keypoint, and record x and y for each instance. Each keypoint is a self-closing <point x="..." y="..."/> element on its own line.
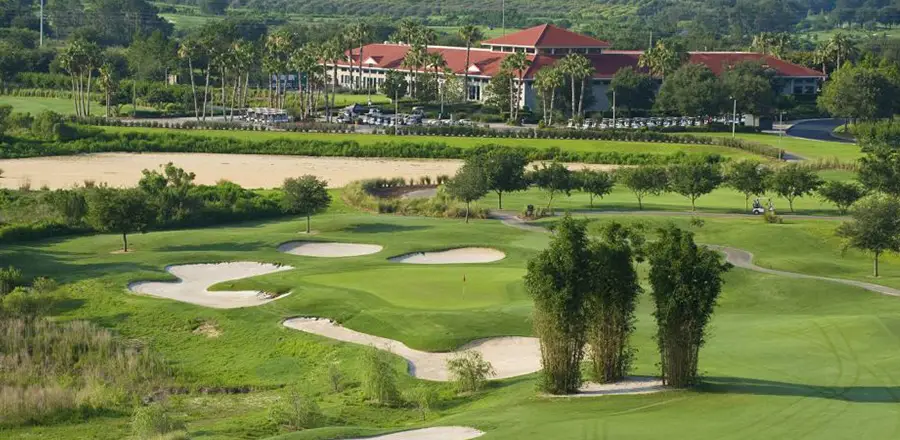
<point x="362" y="195"/>
<point x="626" y="135"/>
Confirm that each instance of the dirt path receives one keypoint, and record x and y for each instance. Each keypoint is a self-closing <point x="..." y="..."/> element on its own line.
<point x="247" y="170"/>
<point x="744" y="259"/>
<point x="735" y="256"/>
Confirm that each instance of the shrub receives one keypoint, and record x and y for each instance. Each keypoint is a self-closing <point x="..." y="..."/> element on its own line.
<point x="422" y="398"/>
<point x="10" y="278"/>
<point x="469" y="371"/>
<point x="380" y="381"/>
<point x="335" y="378"/>
<point x="152" y="421"/>
<point x="296" y="411"/>
<point x="771" y="217"/>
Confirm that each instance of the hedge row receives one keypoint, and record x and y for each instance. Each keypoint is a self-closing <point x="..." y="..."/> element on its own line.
<point x="626" y="135"/>
<point x="181" y="143"/>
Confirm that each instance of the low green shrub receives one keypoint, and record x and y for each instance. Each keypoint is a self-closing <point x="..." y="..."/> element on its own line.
<point x="363" y="195"/>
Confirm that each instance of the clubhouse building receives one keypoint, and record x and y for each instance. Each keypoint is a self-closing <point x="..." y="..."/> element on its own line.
<point x="546" y="44"/>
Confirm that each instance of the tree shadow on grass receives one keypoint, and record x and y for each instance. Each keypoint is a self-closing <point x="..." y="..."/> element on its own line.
<point x="739" y="385"/>
<point x="215" y="247"/>
<point x="376" y="228"/>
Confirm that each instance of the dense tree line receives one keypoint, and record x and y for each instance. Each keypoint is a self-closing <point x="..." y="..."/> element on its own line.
<point x="163" y="199"/>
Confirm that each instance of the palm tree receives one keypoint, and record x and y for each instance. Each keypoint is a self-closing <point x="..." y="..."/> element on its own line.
<point x="302" y="61"/>
<point x="663" y="59"/>
<point x="517" y="64"/>
<point x="414" y="58"/>
<point x="359" y="34"/>
<point x="470" y="35"/>
<point x="187" y="51"/>
<point x="108" y="83"/>
<point x="332" y="53"/>
<point x="578" y="68"/>
<point x="841" y="48"/>
<point x="277" y="53"/>
<point x="548" y="80"/>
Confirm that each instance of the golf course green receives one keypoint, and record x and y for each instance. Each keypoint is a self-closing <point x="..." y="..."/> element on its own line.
<point x="785" y="358"/>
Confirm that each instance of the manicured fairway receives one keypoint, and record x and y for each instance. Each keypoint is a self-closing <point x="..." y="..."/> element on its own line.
<point x="464" y="142"/>
<point x="786" y="358"/>
<point x="807" y="149"/>
<point x="722" y="200"/>
<point x="34" y="105"/>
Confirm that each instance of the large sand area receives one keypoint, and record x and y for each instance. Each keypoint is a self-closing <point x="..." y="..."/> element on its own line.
<point x="247" y="170"/>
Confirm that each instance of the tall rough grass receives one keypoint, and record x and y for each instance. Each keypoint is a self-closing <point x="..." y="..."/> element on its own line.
<point x="51" y="370"/>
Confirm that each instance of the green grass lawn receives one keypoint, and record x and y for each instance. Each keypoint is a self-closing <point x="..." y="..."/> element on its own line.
<point x="35" y="105"/>
<point x="785" y="358"/>
<point x="808" y="149"/>
<point x="722" y="200"/>
<point x="464" y="142"/>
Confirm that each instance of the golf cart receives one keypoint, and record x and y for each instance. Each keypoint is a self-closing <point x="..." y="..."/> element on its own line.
<point x="758" y="208"/>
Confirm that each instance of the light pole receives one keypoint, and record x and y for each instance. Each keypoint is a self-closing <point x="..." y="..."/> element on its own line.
<point x="734" y="118"/>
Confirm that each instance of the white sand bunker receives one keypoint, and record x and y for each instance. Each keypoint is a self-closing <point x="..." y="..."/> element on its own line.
<point x="510" y="356"/>
<point x="328" y="249"/>
<point x="195" y="279"/>
<point x="437" y="433"/>
<point x="451" y="256"/>
<point x="631" y="385"/>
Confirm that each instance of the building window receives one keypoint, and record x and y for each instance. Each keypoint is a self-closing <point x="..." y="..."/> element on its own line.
<point x="475" y="92"/>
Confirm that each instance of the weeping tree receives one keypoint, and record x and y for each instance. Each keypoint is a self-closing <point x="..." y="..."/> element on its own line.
<point x="686" y="281"/>
<point x="611" y="300"/>
<point x="557" y="280"/>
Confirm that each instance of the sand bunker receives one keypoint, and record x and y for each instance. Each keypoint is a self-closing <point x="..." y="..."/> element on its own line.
<point x="328" y="250"/>
<point x="631" y="385"/>
<point x="436" y="433"/>
<point x="451" y="256"/>
<point x="510" y="356"/>
<point x="195" y="279"/>
<point x="247" y="170"/>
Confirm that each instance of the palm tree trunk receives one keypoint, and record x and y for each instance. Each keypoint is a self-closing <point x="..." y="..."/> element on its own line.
<point x="222" y="86"/>
<point x="74" y="95"/>
<point x="90" y="79"/>
<point x="206" y="92"/>
<point x="466" y="73"/>
<point x="581" y="100"/>
<point x="193" y="88"/>
<point x="573" y="96"/>
<point x="552" y="98"/>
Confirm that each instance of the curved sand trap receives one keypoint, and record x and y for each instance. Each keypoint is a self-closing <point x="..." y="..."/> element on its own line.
<point x="631" y="385"/>
<point x="451" y="256"/>
<point x="436" y="433"/>
<point x="195" y="279"/>
<point x="510" y="356"/>
<point x="328" y="249"/>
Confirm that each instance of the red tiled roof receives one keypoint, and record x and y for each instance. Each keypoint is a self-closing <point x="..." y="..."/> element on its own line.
<point x="606" y="64"/>
<point x="546" y="35"/>
<point x="390" y="56"/>
<point x="718" y="62"/>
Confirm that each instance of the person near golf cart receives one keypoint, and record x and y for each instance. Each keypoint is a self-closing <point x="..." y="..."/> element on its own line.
<point x="757" y="207"/>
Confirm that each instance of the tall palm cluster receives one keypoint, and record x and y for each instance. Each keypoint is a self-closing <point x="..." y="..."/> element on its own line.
<point x="417" y="58"/>
<point x="81" y="59"/>
<point x="576" y="70"/>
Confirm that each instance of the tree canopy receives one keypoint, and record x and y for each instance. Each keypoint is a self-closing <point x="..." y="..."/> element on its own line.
<point x="692" y="90"/>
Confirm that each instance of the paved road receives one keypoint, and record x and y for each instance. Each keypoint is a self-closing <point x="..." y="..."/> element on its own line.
<point x="817" y="129"/>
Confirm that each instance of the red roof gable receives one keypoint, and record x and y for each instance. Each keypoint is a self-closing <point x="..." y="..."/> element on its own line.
<point x="546" y="35"/>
